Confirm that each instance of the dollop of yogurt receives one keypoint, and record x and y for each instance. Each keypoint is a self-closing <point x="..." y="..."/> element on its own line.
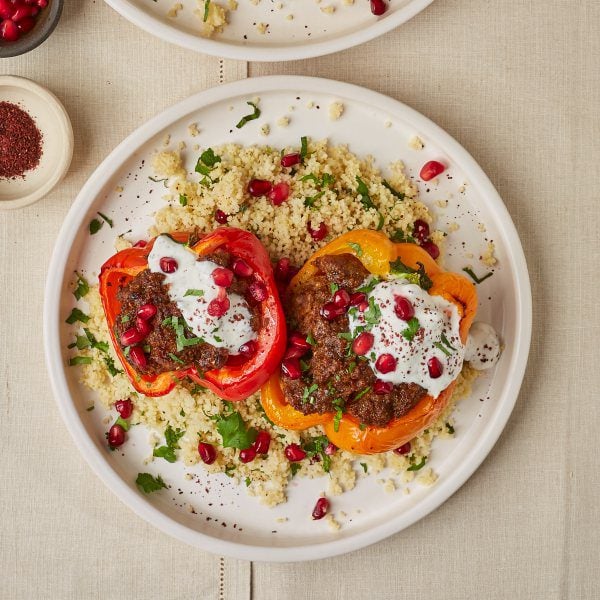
<point x="437" y="335"/>
<point x="193" y="277"/>
<point x="483" y="346"/>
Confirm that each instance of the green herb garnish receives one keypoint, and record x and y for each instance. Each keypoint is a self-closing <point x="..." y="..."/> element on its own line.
<point x="183" y="199"/>
<point x="303" y="147"/>
<point x="147" y="483"/>
<point x="373" y="313"/>
<point x="363" y="192"/>
<point x="419" y="466"/>
<point x="251" y="117"/>
<point x="450" y="428"/>
<point x="77" y="315"/>
<point x="82" y="287"/>
<point x="175" y="358"/>
<point x="311" y="340"/>
<point x="474" y="277"/>
<point x="80" y="360"/>
<point x="362" y="392"/>
<point x="364" y="466"/>
<point x="295" y="467"/>
<point x="194" y="292"/>
<point x="308" y="392"/>
<point x="234" y="432"/>
<point x="418" y="277"/>
<point x="110" y="365"/>
<point x="356" y="247"/>
<point x="440" y="347"/>
<point x="316" y="446"/>
<point x="413" y="326"/>
<point x="398" y="195"/>
<point x="105" y="218"/>
<point x="95" y="226"/>
<point x="206" y="10"/>
<point x="172" y="437"/>
<point x="400" y="237"/>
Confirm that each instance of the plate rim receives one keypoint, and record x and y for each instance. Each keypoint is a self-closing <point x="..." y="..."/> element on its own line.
<point x="215" y="47"/>
<point x="56" y="369"/>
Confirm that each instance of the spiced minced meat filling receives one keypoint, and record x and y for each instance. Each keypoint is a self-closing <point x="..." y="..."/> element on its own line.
<point x="161" y="343"/>
<point x="334" y="377"/>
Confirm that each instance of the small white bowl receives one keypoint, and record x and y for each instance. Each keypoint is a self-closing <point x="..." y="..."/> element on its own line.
<point x="57" y="141"/>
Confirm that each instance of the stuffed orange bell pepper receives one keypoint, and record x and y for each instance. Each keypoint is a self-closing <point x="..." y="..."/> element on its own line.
<point x="208" y="311"/>
<point x="379" y="340"/>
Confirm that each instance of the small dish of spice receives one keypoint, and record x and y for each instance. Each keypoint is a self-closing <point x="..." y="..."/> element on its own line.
<point x="36" y="142"/>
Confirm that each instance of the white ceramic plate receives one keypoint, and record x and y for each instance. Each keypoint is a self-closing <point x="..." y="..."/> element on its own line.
<point x="310" y="33"/>
<point x="371" y="124"/>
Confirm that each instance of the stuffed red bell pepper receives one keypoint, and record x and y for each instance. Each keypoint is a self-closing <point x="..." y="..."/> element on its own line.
<point x="199" y="307"/>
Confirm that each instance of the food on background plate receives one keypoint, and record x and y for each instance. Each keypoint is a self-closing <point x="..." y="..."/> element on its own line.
<point x="197" y="307"/>
<point x="378" y="344"/>
<point x="295" y="200"/>
<point x="19" y="17"/>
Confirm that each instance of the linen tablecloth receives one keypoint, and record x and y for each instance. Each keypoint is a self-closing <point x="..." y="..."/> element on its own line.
<point x="518" y="84"/>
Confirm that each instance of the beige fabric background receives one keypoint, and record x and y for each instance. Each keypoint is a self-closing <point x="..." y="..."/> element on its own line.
<point x="517" y="82"/>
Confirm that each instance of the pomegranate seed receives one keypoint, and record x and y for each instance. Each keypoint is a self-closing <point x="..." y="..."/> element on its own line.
<point x="222" y="277"/>
<point x="42" y="3"/>
<point x="291" y="368"/>
<point x="131" y="336"/>
<point x="299" y="340"/>
<point x="283" y="270"/>
<point x="248" y="349"/>
<point x="241" y="268"/>
<point x="378" y="7"/>
<point x="221" y="217"/>
<point x="116" y="436"/>
<point x="138" y="357"/>
<point x="258" y="291"/>
<point x="357" y="298"/>
<point x="363" y="306"/>
<point x="279" y="193"/>
<point x="247" y="455"/>
<point x="6" y="9"/>
<point x="420" y="230"/>
<point x="124" y="408"/>
<point x="435" y="367"/>
<point x="403" y="308"/>
<point x="386" y="363"/>
<point x="259" y="187"/>
<point x="289" y="160"/>
<point x="319" y="233"/>
<point x="382" y="387"/>
<point x="404" y="449"/>
<point x="207" y="453"/>
<point x="330" y="449"/>
<point x="9" y="31"/>
<point x="320" y="509"/>
<point x="218" y="307"/>
<point x="140" y="244"/>
<point x="146" y="311"/>
<point x="341" y="299"/>
<point x="362" y="343"/>
<point x="294" y="352"/>
<point x="21" y="12"/>
<point x="168" y="264"/>
<point x="26" y="24"/>
<point x="262" y="442"/>
<point x="431" y="169"/>
<point x="294" y="453"/>
<point x="431" y="249"/>
<point x="330" y="311"/>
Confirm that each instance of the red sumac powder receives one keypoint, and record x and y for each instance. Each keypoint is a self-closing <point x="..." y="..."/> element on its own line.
<point x="20" y="142"/>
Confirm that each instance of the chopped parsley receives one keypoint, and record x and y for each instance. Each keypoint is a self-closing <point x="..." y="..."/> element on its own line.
<point x="172" y="437"/>
<point x="373" y="313"/>
<point x="183" y="199"/>
<point x="107" y="220"/>
<point x="121" y="422"/>
<point x="80" y="360"/>
<point x="380" y="222"/>
<point x="450" y="428"/>
<point x="251" y="117"/>
<point x="410" y="332"/>
<point x="356" y="247"/>
<point x="365" y="467"/>
<point x="205" y="164"/>
<point x="363" y="192"/>
<point x="248" y="481"/>
<point x="147" y="483"/>
<point x="441" y="347"/>
<point x="206" y="10"/>
<point x="95" y="226"/>
<point x="307" y="394"/>
<point x="77" y="315"/>
<point x="234" y="432"/>
<point x="418" y="277"/>
<point x="392" y="191"/>
<point x="175" y="358"/>
<point x="295" y="467"/>
<point x="417" y="467"/>
<point x="209" y="158"/>
<point x="369" y="286"/>
<point x="400" y="236"/>
<point x="310" y="201"/>
<point x="194" y="292"/>
<point x="338" y="403"/>
<point x="311" y="340"/>
<point x="362" y="392"/>
<point x="334" y="287"/>
<point x="474" y="277"/>
<point x="303" y="147"/>
<point x="180" y="326"/>
<point x="110" y="365"/>
<point x="316" y="447"/>
<point x="82" y="287"/>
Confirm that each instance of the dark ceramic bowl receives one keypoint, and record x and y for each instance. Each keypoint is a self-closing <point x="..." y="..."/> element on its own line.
<point x="46" y="22"/>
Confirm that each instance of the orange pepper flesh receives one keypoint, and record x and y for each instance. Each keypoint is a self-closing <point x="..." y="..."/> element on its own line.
<point x="376" y="253"/>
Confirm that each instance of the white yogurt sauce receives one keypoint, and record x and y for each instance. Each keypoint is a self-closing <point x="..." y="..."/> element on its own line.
<point x="229" y="331"/>
<point x="436" y="317"/>
<point x="483" y="346"/>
